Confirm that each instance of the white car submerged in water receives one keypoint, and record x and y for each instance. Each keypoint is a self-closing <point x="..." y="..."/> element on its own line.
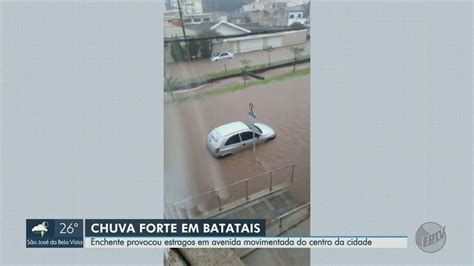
<point x="236" y="136"/>
<point x="222" y="56"/>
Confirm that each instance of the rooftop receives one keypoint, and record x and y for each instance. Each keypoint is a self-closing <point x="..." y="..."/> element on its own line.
<point x="296" y="8"/>
<point x="231" y="128"/>
<point x="206" y="26"/>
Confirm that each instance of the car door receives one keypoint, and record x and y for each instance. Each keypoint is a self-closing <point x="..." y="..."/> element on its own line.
<point x="232" y="144"/>
<point x="247" y="139"/>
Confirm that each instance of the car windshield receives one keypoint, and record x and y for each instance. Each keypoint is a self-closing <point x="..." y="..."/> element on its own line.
<point x="255" y="128"/>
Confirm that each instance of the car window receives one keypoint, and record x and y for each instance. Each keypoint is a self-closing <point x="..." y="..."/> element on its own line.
<point x="246" y="135"/>
<point x="214" y="136"/>
<point x="223" y="54"/>
<point x="233" y="140"/>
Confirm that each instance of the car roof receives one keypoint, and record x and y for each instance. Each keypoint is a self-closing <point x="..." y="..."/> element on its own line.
<point x="232" y="128"/>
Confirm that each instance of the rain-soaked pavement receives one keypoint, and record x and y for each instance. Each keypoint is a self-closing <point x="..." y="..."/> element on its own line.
<point x="190" y="169"/>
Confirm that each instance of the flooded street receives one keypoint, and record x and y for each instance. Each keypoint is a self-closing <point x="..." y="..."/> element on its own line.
<point x="191" y="170"/>
<point x="204" y="66"/>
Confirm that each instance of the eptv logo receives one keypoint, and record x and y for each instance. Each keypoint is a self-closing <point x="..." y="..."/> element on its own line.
<point x="430" y="237"/>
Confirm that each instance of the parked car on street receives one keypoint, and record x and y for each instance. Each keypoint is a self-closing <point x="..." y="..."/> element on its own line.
<point x="222" y="56"/>
<point x="236" y="136"/>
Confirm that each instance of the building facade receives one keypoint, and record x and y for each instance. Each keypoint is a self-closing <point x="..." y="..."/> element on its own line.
<point x="296" y="14"/>
<point x="187" y="6"/>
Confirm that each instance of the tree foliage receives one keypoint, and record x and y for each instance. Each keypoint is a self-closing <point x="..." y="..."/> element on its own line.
<point x="205" y="45"/>
<point x="193" y="47"/>
<point x="297" y="26"/>
<point x="296" y="53"/>
<point x="268" y="49"/>
<point x="177" y="52"/>
<point x="245" y="66"/>
<point x="171" y="84"/>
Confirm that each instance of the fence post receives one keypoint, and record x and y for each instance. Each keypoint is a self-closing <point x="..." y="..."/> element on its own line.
<point x="246" y="189"/>
<point x="271" y="180"/>
<point x="292" y="172"/>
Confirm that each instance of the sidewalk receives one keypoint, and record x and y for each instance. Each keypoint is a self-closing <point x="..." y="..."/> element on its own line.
<point x="229" y="82"/>
<point x="282" y="256"/>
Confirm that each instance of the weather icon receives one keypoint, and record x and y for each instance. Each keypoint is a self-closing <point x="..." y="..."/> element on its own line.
<point x="41" y="228"/>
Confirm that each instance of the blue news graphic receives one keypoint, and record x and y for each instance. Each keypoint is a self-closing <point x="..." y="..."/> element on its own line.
<point x="54" y="233"/>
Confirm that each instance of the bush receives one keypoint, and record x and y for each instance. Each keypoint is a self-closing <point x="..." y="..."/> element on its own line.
<point x="297" y="26"/>
<point x="171" y="84"/>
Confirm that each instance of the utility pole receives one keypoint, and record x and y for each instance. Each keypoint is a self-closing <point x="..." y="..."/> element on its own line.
<point x="253" y="119"/>
<point x="184" y="31"/>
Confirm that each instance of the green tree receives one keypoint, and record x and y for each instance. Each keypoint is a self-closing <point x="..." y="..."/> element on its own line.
<point x="296" y="53"/>
<point x="268" y="49"/>
<point x="171" y="84"/>
<point x="177" y="51"/>
<point x="297" y="26"/>
<point x="206" y="43"/>
<point x="193" y="48"/>
<point x="245" y="66"/>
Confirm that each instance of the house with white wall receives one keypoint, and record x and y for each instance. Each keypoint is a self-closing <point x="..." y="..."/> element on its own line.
<point x="296" y="14"/>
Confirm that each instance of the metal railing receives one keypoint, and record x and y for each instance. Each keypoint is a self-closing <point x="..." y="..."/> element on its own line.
<point x="242" y="190"/>
<point x="289" y="219"/>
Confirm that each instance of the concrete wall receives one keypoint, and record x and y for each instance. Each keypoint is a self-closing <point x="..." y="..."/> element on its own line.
<point x="252" y="43"/>
<point x="259" y="42"/>
<point x="294" y="37"/>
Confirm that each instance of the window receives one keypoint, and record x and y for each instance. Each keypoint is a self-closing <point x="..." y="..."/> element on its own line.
<point x="299" y="15"/>
<point x="214" y="138"/>
<point x="233" y="140"/>
<point x="207" y="19"/>
<point x="292" y="16"/>
<point x="187" y="20"/>
<point x="197" y="20"/>
<point x="224" y="54"/>
<point x="246" y="136"/>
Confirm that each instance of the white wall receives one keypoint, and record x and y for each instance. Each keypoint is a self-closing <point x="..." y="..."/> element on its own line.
<point x="295" y="18"/>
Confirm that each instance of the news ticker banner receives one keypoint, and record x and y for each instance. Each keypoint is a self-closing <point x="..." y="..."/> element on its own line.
<point x="161" y="233"/>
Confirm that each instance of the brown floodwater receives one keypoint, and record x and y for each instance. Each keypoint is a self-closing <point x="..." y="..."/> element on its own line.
<point x="191" y="170"/>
